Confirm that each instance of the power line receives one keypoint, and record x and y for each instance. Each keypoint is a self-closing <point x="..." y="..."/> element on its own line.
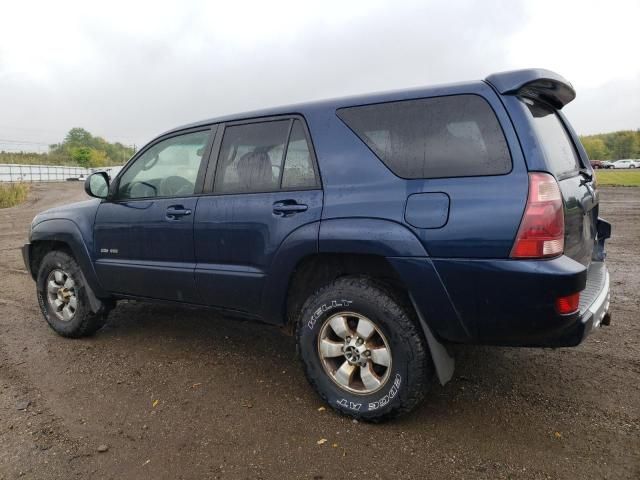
<point x="24" y="142"/>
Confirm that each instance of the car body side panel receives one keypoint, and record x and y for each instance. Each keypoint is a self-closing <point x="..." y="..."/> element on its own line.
<point x="238" y="239"/>
<point x="484" y="212"/>
<point x="141" y="252"/>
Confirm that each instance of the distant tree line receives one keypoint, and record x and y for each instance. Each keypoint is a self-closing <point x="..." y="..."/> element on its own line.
<point x="612" y="146"/>
<point x="79" y="148"/>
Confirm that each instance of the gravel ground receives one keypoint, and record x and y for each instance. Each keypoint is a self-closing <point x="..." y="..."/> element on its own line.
<point x="181" y="393"/>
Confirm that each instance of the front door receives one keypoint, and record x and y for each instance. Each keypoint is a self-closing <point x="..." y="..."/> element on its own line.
<point x="143" y="237"/>
<point x="266" y="186"/>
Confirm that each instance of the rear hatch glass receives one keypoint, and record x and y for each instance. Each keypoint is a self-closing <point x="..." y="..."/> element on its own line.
<point x="579" y="196"/>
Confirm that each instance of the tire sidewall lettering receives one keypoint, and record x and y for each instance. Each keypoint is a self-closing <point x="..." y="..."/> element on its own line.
<point x="334" y="304"/>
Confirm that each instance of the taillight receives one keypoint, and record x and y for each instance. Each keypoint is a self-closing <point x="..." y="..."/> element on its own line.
<point x="568" y="304"/>
<point x="541" y="232"/>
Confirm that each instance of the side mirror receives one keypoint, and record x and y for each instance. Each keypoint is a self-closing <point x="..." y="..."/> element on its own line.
<point x="97" y="185"/>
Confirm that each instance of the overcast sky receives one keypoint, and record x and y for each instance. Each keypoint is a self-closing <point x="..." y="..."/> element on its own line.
<point x="128" y="70"/>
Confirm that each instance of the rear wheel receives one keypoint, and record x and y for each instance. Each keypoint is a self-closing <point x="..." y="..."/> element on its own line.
<point x="62" y="296"/>
<point x="362" y="349"/>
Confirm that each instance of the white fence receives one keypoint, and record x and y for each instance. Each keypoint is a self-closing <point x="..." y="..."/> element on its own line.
<point x="48" y="173"/>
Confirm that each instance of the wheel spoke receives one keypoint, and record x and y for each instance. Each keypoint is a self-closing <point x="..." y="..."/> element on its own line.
<point x="369" y="378"/>
<point x="380" y="356"/>
<point x="69" y="283"/>
<point x="330" y="349"/>
<point x="58" y="303"/>
<point x="67" y="314"/>
<point x="52" y="288"/>
<point x="73" y="303"/>
<point x="344" y="373"/>
<point x="340" y="326"/>
<point x="59" y="276"/>
<point x="365" y="329"/>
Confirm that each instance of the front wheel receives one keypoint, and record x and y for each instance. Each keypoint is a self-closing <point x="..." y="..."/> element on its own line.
<point x="362" y="349"/>
<point x="62" y="296"/>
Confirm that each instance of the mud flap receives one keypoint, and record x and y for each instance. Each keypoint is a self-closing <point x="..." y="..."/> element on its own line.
<point x="443" y="362"/>
<point x="95" y="304"/>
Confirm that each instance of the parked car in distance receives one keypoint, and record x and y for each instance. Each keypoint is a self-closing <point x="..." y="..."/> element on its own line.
<point x="601" y="164"/>
<point x="628" y="163"/>
<point x="378" y="229"/>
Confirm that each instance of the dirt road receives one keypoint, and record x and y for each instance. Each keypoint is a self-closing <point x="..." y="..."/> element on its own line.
<point x="179" y="393"/>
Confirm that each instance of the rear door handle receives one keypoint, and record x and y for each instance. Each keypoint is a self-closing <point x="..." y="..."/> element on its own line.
<point x="288" y="207"/>
<point x="176" y="211"/>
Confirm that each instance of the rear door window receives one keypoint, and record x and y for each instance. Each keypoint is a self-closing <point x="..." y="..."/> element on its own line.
<point x="265" y="157"/>
<point x="559" y="151"/>
<point x="251" y="157"/>
<point x="298" y="164"/>
<point x="452" y="136"/>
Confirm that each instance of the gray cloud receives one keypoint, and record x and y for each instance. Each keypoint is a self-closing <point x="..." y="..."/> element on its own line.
<point x="131" y="84"/>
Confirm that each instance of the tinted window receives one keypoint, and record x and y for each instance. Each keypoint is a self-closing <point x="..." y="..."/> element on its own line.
<point x="298" y="164"/>
<point x="251" y="157"/>
<point x="561" y="156"/>
<point x="167" y="169"/>
<point x="451" y="136"/>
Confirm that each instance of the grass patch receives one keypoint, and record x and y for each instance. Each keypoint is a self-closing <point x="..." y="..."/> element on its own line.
<point x="621" y="178"/>
<point x="12" y="194"/>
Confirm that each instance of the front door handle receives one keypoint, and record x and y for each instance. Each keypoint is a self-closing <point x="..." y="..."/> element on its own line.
<point x="288" y="207"/>
<point x="176" y="211"/>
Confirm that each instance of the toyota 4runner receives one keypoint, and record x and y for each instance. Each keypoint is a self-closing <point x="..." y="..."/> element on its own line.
<point x="379" y="229"/>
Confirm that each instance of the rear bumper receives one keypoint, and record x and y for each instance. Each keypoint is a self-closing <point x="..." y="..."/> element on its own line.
<point x="593" y="315"/>
<point x="507" y="302"/>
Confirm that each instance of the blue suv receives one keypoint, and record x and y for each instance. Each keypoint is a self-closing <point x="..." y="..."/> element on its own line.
<point x="378" y="229"/>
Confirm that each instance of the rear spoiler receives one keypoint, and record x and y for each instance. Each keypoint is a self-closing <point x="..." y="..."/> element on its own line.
<point x="534" y="83"/>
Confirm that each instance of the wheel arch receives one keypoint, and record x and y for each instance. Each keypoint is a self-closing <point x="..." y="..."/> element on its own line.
<point x="63" y="234"/>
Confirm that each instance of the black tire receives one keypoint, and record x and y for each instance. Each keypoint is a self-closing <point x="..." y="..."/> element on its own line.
<point x="84" y="321"/>
<point x="411" y="367"/>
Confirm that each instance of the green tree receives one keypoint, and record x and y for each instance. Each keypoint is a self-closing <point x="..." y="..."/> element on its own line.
<point x="98" y="158"/>
<point x="78" y="136"/>
<point x="626" y="145"/>
<point x="81" y="156"/>
<point x="596" y="148"/>
<point x="81" y="148"/>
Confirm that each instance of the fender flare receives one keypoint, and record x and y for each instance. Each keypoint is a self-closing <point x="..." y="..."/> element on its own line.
<point x="385" y="238"/>
<point x="298" y="244"/>
<point x="66" y="231"/>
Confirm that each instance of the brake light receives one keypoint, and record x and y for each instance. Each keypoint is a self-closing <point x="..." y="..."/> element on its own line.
<point x="541" y="232"/>
<point x="568" y="304"/>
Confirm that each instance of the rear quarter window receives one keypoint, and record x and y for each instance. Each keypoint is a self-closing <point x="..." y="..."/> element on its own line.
<point x="453" y="136"/>
<point x="560" y="153"/>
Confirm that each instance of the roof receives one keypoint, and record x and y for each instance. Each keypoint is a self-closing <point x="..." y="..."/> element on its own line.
<point x="558" y="92"/>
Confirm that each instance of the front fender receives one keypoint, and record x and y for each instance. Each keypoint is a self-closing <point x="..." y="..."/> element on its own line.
<point x="67" y="232"/>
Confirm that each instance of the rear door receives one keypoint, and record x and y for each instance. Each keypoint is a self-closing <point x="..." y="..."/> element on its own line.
<point x="575" y="177"/>
<point x="266" y="186"/>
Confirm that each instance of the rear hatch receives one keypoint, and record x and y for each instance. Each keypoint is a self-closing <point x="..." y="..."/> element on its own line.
<point x="574" y="177"/>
